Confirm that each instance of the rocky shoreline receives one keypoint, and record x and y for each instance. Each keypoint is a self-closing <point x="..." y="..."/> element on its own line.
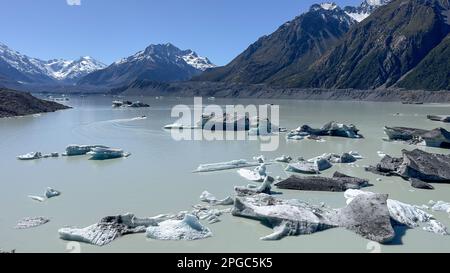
<point x="232" y="90"/>
<point x="15" y="103"/>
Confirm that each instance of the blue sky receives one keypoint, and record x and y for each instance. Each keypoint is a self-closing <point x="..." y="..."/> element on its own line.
<point x="111" y="29"/>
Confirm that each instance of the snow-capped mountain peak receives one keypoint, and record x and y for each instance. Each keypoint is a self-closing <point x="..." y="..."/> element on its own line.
<point x="328" y="6"/>
<point x="70" y="70"/>
<point x="365" y="9"/>
<point x="56" y="69"/>
<point x="169" y="53"/>
<point x="199" y="62"/>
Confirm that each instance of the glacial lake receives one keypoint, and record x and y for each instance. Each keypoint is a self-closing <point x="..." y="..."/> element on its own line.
<point x="157" y="177"/>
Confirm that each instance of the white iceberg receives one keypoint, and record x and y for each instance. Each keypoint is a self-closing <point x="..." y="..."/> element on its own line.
<point x="211" y="199"/>
<point x="234" y="164"/>
<point x="187" y="229"/>
<point x="440" y="206"/>
<point x="30" y="156"/>
<point x="74" y="150"/>
<point x="37" y="198"/>
<point x="31" y="222"/>
<point x="283" y="159"/>
<point x="257" y="175"/>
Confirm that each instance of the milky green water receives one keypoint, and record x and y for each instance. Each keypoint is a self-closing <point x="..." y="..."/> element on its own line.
<point x="157" y="177"/>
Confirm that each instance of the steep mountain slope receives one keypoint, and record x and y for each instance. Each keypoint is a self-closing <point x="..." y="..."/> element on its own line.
<point x="294" y="46"/>
<point x="17" y="67"/>
<point x="381" y="49"/>
<point x="433" y="72"/>
<point x="162" y="63"/>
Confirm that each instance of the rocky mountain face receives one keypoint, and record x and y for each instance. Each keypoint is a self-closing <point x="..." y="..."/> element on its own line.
<point x="294" y="46"/>
<point x="379" y="44"/>
<point x="162" y="63"/>
<point x="433" y="72"/>
<point x="381" y="49"/>
<point x="19" y="68"/>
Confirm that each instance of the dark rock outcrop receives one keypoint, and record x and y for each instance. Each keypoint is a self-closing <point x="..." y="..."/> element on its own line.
<point x="338" y="183"/>
<point x="15" y="103"/>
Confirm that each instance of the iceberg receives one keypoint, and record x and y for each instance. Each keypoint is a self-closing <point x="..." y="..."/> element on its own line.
<point x="265" y="187"/>
<point x="367" y="216"/>
<point x="283" y="159"/>
<point x="211" y="199"/>
<point x="109" y="229"/>
<point x="234" y="164"/>
<point x="256" y="175"/>
<point x="401" y="213"/>
<point x="303" y="167"/>
<point x="100" y="153"/>
<point x="74" y="150"/>
<point x="187" y="229"/>
<point x="49" y="193"/>
<point x="440" y="206"/>
<point x="31" y="222"/>
<point x="37" y="198"/>
<point x="30" y="156"/>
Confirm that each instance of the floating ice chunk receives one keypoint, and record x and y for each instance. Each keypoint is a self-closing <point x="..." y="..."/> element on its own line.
<point x="30" y="156"/>
<point x="110" y="228"/>
<point x="234" y="164"/>
<point x="440" y="206"/>
<point x="187" y="229"/>
<point x="265" y="187"/>
<point x="256" y="175"/>
<point x="381" y="154"/>
<point x="402" y="213"/>
<point x="211" y="199"/>
<point x="436" y="227"/>
<point x="31" y="222"/>
<point x="74" y="150"/>
<point x="49" y="193"/>
<point x="37" y="198"/>
<point x="179" y="126"/>
<point x="283" y="159"/>
<point x="100" y="153"/>
<point x="250" y="175"/>
<point x="356" y="155"/>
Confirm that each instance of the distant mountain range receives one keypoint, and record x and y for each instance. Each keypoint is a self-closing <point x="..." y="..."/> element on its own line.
<point x="23" y="69"/>
<point x="161" y="63"/>
<point x="380" y="44"/>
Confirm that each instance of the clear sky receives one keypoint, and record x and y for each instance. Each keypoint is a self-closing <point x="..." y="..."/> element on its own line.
<point x="111" y="29"/>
